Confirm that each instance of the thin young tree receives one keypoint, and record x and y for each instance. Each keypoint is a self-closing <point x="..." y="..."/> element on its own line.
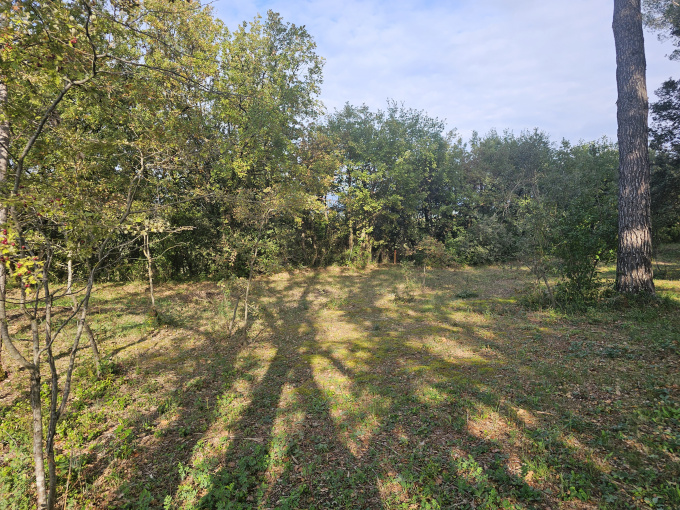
<point x="70" y="179"/>
<point x="4" y="157"/>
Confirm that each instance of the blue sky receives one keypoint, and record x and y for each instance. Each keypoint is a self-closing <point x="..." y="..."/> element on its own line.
<point x="503" y="64"/>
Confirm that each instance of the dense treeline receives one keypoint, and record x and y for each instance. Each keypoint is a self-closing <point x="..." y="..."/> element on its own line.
<point x="212" y="143"/>
<point x="395" y="181"/>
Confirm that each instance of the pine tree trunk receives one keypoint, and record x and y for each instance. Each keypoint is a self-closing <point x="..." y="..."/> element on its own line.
<point x="634" y="262"/>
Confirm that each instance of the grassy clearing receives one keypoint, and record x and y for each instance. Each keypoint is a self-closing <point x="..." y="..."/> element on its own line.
<point x="368" y="390"/>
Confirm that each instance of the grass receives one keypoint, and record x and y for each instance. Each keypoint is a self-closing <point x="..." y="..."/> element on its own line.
<point x="350" y="390"/>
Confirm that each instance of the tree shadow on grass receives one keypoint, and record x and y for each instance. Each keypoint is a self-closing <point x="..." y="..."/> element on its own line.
<point x="148" y="418"/>
<point x="361" y="433"/>
<point x="546" y="463"/>
<point x="284" y="436"/>
<point x="350" y="399"/>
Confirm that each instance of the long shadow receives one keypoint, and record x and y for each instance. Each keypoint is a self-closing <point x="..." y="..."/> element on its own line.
<point x="383" y="457"/>
<point x="391" y="406"/>
<point x="427" y="430"/>
<point x="148" y="446"/>
<point x="280" y="469"/>
<point x="479" y="396"/>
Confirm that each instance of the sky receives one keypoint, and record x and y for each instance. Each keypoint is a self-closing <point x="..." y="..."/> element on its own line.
<point x="496" y="64"/>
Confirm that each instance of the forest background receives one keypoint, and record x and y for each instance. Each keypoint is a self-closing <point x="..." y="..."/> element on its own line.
<point x="180" y="122"/>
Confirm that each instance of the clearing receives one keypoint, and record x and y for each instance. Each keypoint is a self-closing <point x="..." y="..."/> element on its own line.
<point x="367" y="389"/>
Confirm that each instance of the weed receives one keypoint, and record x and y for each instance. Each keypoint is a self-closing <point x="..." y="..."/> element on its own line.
<point x="15" y="473"/>
<point x="123" y="446"/>
<point x="337" y="302"/>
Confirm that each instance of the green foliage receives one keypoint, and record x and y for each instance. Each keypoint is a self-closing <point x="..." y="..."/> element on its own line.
<point x="231" y="488"/>
<point x="570" y="224"/>
<point x="665" y="160"/>
<point x="663" y="16"/>
<point x="585" y="236"/>
<point x="486" y="240"/>
<point x="397" y="179"/>
<point x="123" y="446"/>
<point x="16" y="476"/>
<point x="15" y="484"/>
<point x="433" y="253"/>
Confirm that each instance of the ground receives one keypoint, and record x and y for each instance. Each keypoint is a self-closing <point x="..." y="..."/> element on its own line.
<point x="376" y="389"/>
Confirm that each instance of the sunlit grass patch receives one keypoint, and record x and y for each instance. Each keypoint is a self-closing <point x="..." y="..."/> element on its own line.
<point x="341" y="395"/>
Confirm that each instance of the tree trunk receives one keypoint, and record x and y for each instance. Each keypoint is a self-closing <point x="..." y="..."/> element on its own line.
<point x="634" y="262"/>
<point x="95" y="350"/>
<point x="4" y="160"/>
<point x="351" y="239"/>
<point x="149" y="262"/>
<point x="38" y="458"/>
<point x="69" y="277"/>
<point x="233" y="317"/>
<point x="251" y="265"/>
<point x="88" y="331"/>
<point x="315" y="245"/>
<point x="250" y="278"/>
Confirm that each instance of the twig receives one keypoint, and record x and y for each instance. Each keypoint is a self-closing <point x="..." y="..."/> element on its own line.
<point x="13" y="440"/>
<point x="256" y="439"/>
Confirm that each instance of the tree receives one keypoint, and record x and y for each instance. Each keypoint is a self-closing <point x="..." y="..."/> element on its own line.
<point x="97" y="97"/>
<point x="502" y="173"/>
<point x="665" y="142"/>
<point x="398" y="178"/>
<point x="663" y="16"/>
<point x="258" y="135"/>
<point x="4" y="158"/>
<point x="573" y="220"/>
<point x="634" y="256"/>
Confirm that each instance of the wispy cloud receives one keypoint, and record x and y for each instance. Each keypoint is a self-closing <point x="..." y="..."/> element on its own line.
<point x="516" y="64"/>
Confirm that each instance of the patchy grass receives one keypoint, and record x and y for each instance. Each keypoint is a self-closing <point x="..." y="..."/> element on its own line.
<point x="366" y="390"/>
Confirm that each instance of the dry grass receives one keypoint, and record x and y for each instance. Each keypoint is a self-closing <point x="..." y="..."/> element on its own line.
<point x="369" y="390"/>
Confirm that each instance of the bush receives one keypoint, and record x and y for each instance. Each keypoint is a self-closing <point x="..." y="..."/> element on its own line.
<point x="431" y="252"/>
<point x="485" y="241"/>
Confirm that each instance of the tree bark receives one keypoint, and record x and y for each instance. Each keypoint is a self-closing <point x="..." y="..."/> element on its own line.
<point x="88" y="330"/>
<point x="149" y="265"/>
<point x="37" y="429"/>
<point x="4" y="143"/>
<point x="4" y="161"/>
<point x="634" y="261"/>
